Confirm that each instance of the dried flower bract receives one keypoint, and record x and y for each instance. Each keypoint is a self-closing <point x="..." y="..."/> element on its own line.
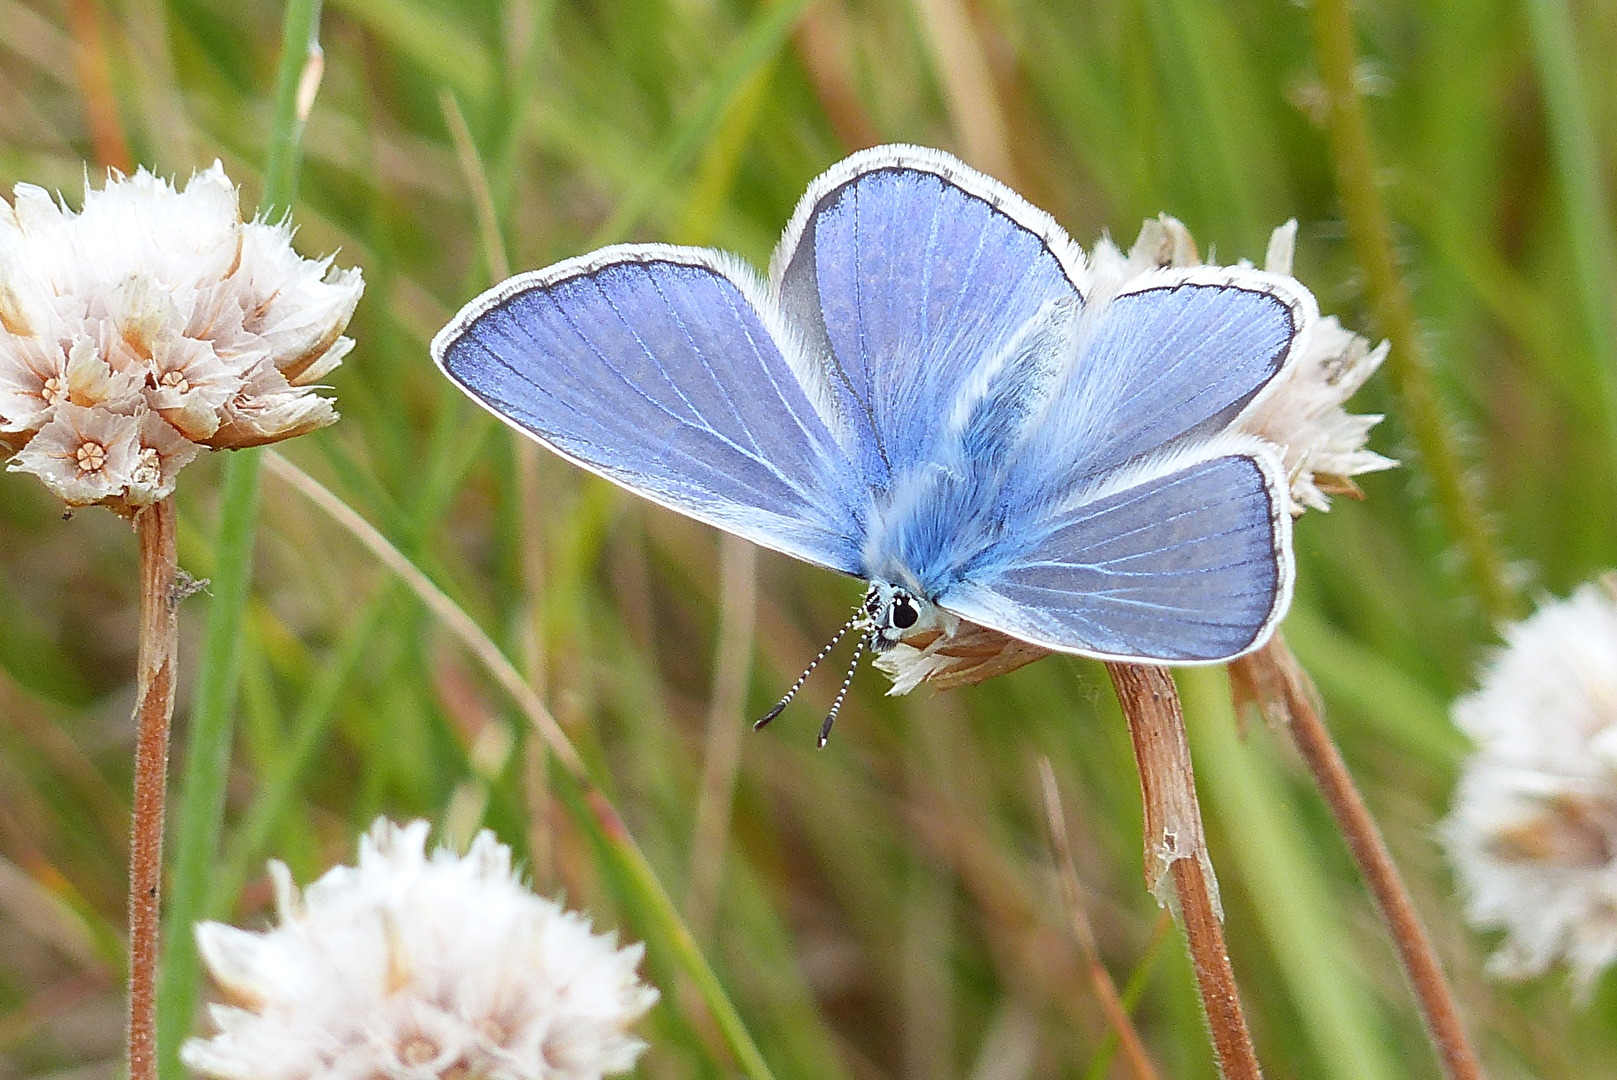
<point x="1533" y="830"/>
<point x="154" y="323"/>
<point x="416" y="967"/>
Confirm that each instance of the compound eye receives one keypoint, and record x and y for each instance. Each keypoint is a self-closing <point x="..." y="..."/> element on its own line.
<point x="904" y="613"/>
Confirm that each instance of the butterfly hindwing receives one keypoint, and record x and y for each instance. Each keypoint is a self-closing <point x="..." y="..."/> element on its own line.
<point x="657" y="368"/>
<point x="1183" y="560"/>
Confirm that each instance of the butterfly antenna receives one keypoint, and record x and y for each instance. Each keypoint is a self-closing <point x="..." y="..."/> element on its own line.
<point x="836" y="706"/>
<point x="803" y="678"/>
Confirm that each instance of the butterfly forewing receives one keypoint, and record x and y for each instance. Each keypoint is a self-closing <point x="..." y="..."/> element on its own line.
<point x="654" y="367"/>
<point x="909" y="271"/>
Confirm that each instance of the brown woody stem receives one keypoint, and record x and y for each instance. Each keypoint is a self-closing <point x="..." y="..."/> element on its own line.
<point x="154" y="707"/>
<point x="1274" y="679"/>
<point x="1176" y="854"/>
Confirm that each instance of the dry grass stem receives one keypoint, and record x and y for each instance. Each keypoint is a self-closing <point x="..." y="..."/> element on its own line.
<point x="1176" y="861"/>
<point x="1273" y="679"/>
<point x="94" y="70"/>
<point x="154" y="686"/>
<point x="453" y="617"/>
<point x="960" y="59"/>
<point x="1105" y="989"/>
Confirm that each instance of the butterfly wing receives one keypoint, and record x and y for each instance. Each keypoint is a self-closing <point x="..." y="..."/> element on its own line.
<point x="660" y="369"/>
<point x="1168" y="361"/>
<point x="1126" y="522"/>
<point x="1184" y="559"/>
<point x="907" y="271"/>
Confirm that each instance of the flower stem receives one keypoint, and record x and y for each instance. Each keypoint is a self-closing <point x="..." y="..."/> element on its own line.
<point x="207" y="758"/>
<point x="1176" y="854"/>
<point x="1277" y="682"/>
<point x="154" y="707"/>
<point x="1369" y="225"/>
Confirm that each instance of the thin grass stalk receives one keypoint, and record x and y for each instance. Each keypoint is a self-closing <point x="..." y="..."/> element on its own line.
<point x="592" y="805"/>
<point x="960" y="64"/>
<point x="471" y="169"/>
<point x="1278" y="683"/>
<point x="1575" y="142"/>
<point x="738" y="594"/>
<point x="200" y="797"/>
<point x="154" y="708"/>
<point x="107" y="139"/>
<point x="764" y="37"/>
<point x="1132" y="990"/>
<point x="275" y="794"/>
<point x="207" y="760"/>
<point x="822" y="44"/>
<point x="1111" y="1002"/>
<point x="530" y="622"/>
<point x="169" y="134"/>
<point x="1370" y="228"/>
<point x="1177" y="867"/>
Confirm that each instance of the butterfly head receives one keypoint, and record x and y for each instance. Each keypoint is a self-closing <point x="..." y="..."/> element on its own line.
<point x="893" y="612"/>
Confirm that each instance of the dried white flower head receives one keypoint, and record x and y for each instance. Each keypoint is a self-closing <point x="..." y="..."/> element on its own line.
<point x="960" y="653"/>
<point x="1533" y="830"/>
<point x="151" y="324"/>
<point x="1320" y="444"/>
<point x="417" y="967"/>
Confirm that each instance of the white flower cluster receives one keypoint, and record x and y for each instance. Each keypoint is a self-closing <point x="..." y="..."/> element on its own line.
<point x="154" y="323"/>
<point x="417" y="967"/>
<point x="1320" y="444"/>
<point x="1533" y="830"/>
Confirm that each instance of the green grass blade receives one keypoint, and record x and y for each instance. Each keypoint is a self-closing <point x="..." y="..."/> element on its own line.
<point x="757" y="47"/>
<point x="200" y="801"/>
<point x="1580" y="164"/>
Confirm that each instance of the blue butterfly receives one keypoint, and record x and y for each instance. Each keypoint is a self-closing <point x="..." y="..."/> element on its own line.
<point x="932" y="392"/>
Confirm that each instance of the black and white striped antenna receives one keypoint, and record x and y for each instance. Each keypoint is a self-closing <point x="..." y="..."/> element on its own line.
<point x="858" y="617"/>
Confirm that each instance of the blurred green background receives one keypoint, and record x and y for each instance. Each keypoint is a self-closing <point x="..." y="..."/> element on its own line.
<point x="886" y="908"/>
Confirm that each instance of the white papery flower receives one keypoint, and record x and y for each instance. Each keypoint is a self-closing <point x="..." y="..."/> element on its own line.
<point x="166" y="308"/>
<point x="1319" y="443"/>
<point x="416" y="967"/>
<point x="1533" y="829"/>
<point x="959" y="653"/>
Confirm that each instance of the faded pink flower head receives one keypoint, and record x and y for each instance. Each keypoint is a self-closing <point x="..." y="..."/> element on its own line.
<point x="154" y="323"/>
<point x="1301" y="413"/>
<point x="1532" y="833"/>
<point x="410" y="966"/>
